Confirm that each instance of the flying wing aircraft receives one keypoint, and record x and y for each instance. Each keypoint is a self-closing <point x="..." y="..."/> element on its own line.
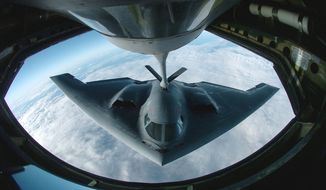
<point x="163" y="121"/>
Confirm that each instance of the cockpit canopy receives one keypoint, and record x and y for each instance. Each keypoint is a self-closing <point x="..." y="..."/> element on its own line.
<point x="163" y="132"/>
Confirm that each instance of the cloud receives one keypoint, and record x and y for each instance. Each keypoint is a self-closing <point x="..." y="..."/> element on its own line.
<point x="63" y="129"/>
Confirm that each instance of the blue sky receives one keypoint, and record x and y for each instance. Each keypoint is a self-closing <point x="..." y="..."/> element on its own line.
<point x="55" y="59"/>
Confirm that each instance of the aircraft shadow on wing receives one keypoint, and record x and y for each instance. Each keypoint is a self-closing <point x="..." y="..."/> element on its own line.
<point x="163" y="124"/>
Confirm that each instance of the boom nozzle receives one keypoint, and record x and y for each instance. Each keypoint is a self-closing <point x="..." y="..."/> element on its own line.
<point x="171" y="77"/>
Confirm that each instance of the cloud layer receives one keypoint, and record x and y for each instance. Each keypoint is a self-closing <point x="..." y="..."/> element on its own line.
<point x="63" y="129"/>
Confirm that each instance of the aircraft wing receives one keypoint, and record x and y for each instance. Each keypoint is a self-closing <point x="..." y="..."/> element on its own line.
<point x="114" y="103"/>
<point x="213" y="110"/>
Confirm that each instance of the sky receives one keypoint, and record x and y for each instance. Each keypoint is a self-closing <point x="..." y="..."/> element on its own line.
<point x="63" y="129"/>
<point x="55" y="59"/>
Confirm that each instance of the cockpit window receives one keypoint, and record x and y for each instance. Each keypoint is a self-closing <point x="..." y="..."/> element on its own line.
<point x="146" y="120"/>
<point x="164" y="132"/>
<point x="171" y="132"/>
<point x="155" y="131"/>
